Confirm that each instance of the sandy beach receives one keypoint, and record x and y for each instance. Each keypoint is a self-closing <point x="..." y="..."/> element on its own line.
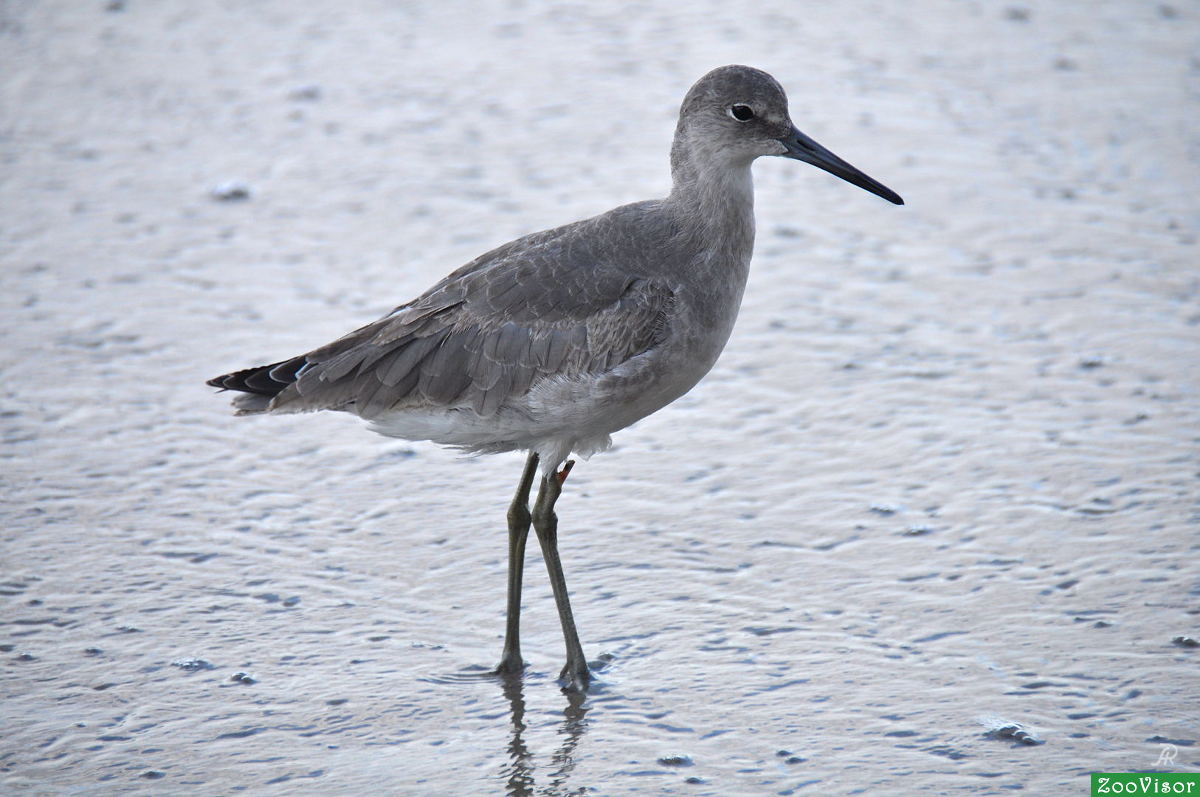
<point x="929" y="526"/>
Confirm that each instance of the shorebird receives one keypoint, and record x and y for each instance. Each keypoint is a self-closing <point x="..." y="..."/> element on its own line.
<point x="552" y="342"/>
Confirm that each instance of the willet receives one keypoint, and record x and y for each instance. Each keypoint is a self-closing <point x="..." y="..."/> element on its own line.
<point x="552" y="342"/>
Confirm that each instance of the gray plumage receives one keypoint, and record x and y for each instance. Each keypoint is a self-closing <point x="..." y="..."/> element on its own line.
<point x="552" y="342"/>
<point x="614" y="316"/>
<point x="538" y="307"/>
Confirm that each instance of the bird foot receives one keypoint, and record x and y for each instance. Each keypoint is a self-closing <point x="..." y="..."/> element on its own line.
<point x="509" y="665"/>
<point x="575" y="678"/>
<point x="565" y="472"/>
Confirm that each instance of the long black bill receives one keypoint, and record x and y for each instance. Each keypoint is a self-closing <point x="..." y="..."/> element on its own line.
<point x="803" y="148"/>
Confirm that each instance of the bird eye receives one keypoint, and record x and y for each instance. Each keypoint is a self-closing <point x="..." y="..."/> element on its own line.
<point x="743" y="113"/>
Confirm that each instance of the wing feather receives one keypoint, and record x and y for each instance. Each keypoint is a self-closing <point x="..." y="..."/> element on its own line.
<point x="548" y="305"/>
<point x="408" y="355"/>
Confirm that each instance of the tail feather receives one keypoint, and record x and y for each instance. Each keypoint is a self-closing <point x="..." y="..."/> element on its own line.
<point x="251" y="403"/>
<point x="264" y="381"/>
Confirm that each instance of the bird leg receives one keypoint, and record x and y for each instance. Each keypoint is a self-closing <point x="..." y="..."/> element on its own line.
<point x="518" y="532"/>
<point x="575" y="673"/>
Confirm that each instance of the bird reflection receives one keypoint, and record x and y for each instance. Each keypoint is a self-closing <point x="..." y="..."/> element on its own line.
<point x="520" y="772"/>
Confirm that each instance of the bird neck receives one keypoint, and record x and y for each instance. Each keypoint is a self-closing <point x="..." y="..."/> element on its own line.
<point x="714" y="196"/>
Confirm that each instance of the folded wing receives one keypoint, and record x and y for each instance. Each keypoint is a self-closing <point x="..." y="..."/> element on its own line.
<point x="486" y="333"/>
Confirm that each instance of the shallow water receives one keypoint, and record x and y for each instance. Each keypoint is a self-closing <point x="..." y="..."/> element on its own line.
<point x="930" y="524"/>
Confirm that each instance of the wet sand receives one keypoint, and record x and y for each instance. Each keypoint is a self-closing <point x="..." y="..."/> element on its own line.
<point x="931" y="524"/>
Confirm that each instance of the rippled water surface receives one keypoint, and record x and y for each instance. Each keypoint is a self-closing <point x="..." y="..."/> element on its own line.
<point x="930" y="524"/>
